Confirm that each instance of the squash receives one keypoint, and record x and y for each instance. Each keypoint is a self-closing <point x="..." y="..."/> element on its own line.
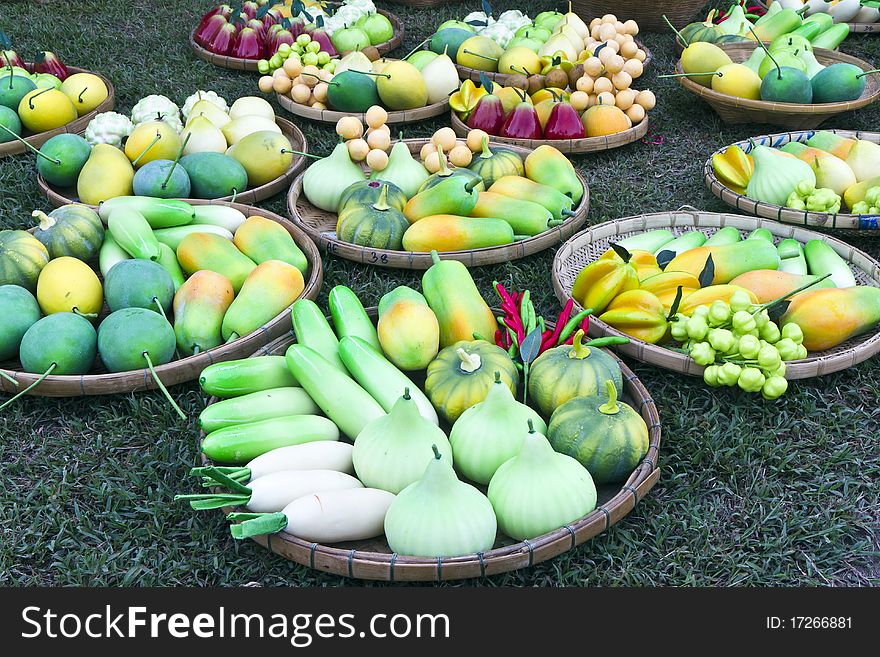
<point x="463" y="373"/>
<point x="706" y="31"/>
<point x="609" y="439"/>
<point x="602" y="120"/>
<point x="491" y="165"/>
<point x="22" y="258"/>
<point x="570" y="371"/>
<point x="465" y="173"/>
<point x="71" y="230"/>
<point x="367" y="192"/>
<point x="378" y="226"/>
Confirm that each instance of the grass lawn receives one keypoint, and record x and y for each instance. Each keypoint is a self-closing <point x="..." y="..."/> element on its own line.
<point x="751" y="492"/>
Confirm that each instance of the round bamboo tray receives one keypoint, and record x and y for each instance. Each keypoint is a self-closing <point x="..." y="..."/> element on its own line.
<point x="846" y="222"/>
<point x="79" y="124"/>
<point x="569" y="146"/>
<point x="332" y="116"/>
<point x="321" y="227"/>
<point x="588" y="245"/>
<point x="101" y="382"/>
<point x="649" y="15"/>
<point x="240" y="64"/>
<point x="373" y="559"/>
<point x="58" y="197"/>
<point x="859" y="28"/>
<point x="788" y="115"/>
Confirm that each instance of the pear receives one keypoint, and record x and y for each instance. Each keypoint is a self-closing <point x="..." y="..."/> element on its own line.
<point x="356" y="60"/>
<point x="265" y="155"/>
<point x="251" y="106"/>
<point x="204" y="136"/>
<point x="832" y="173"/>
<point x="106" y="174"/>
<point x="441" y="77"/>
<point x="864" y="159"/>
<point x="571" y="34"/>
<point x="211" y="112"/>
<point x="403" y="170"/>
<point x="559" y="42"/>
<point x="576" y="22"/>
<point x="519" y="59"/>
<point x="153" y="140"/>
<point x="241" y="127"/>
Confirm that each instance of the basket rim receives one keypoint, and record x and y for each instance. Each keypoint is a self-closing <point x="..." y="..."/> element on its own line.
<point x="289" y="129"/>
<point x="345" y="562"/>
<point x="187" y="368"/>
<point x="422" y="259"/>
<point x="79" y="124"/>
<point x="332" y="116"/>
<point x="818" y="364"/>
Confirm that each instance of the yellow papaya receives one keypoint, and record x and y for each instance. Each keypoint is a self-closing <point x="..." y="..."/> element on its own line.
<point x="262" y="239"/>
<point x="601" y="281"/>
<point x="730" y="260"/>
<point x="639" y="314"/>
<point x="856" y="193"/>
<point x="270" y="288"/>
<point x="200" y="251"/>
<point x="665" y="286"/>
<point x="199" y="307"/>
<point x="449" y="232"/>
<point x="705" y="296"/>
<point x="831" y="316"/>
<point x="408" y="329"/>
<point x="644" y="262"/>
<point x="770" y="284"/>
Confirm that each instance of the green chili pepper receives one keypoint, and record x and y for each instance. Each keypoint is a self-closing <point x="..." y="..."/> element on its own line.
<point x="571" y="325"/>
<point x="607" y="341"/>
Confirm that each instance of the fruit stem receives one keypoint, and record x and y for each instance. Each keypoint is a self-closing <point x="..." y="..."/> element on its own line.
<point x="677" y="33"/>
<point x="406" y="394"/>
<point x="523" y="71"/>
<point x="436" y="452"/>
<point x="311" y="155"/>
<point x="579" y="350"/>
<point x="8" y="378"/>
<point x="485" y="146"/>
<point x="30" y="387"/>
<point x="378" y="75"/>
<point x="39" y="93"/>
<point x="80" y="97"/>
<point x="473" y="182"/>
<point x="152" y="143"/>
<point x="531" y="425"/>
<point x="146" y="355"/>
<point x="687" y="75"/>
<point x="476" y="54"/>
<point x="36" y="151"/>
<point x="469" y="362"/>
<point x="873" y="70"/>
<point x="418" y="47"/>
<point x="174" y="164"/>
<point x="767" y="52"/>
<point x="610" y="407"/>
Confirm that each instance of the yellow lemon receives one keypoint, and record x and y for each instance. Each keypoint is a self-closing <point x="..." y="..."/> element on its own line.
<point x="85" y="90"/>
<point x="45" y="109"/>
<point x="153" y="140"/>
<point x="68" y="285"/>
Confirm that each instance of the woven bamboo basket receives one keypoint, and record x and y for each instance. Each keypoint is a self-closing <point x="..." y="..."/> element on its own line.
<point x="373" y="559"/>
<point x="101" y="382"/>
<point x="58" y="197"/>
<point x="793" y="116"/>
<point x="569" y="146"/>
<point x="332" y="116"/>
<point x="15" y="147"/>
<point x="858" y="28"/>
<point x="589" y="244"/>
<point x="239" y="64"/>
<point x="861" y="223"/>
<point x="423" y="4"/>
<point x="649" y="15"/>
<point x="321" y="227"/>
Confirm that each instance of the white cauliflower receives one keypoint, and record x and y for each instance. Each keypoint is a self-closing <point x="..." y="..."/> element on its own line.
<point x="156" y="107"/>
<point x="108" y="128"/>
<point x="367" y="5"/>
<point x="349" y="14"/>
<point x="499" y="33"/>
<point x="210" y="96"/>
<point x="513" y="19"/>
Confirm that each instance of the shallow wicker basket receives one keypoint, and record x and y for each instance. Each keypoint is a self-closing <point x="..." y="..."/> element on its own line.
<point x="788" y="115"/>
<point x="76" y="126"/>
<point x="589" y="244"/>
<point x="569" y="146"/>
<point x="58" y="197"/>
<point x="864" y="223"/>
<point x="320" y="225"/>
<point x="373" y="559"/>
<point x="649" y="15"/>
<point x="332" y="116"/>
<point x="240" y="64"/>
<point x="100" y="382"/>
<point x="859" y="28"/>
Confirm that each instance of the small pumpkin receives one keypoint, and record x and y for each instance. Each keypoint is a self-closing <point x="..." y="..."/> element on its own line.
<point x="71" y="230"/>
<point x="22" y="258"/>
<point x="378" y="226"/>
<point x="491" y="164"/>
<point x="604" y="119"/>
<point x="570" y="371"/>
<point x="367" y="192"/>
<point x="609" y="439"/>
<point x="706" y="31"/>
<point x="463" y="373"/>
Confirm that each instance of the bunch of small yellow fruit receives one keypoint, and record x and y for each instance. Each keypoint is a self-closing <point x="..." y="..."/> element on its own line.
<point x="370" y="146"/>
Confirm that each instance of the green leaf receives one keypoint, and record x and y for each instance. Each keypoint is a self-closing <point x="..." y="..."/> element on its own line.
<point x="673" y="309"/>
<point x="531" y="345"/>
<point x="262" y="11"/>
<point x="621" y="251"/>
<point x="708" y="274"/>
<point x="5" y="41"/>
<point x="665" y="257"/>
<point x="487" y="8"/>
<point x="486" y="81"/>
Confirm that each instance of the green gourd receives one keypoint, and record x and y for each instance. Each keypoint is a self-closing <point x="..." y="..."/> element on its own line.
<point x="776" y="176"/>
<point x="609" y="439"/>
<point x="111" y="254"/>
<point x="402" y="170"/>
<point x="22" y="258"/>
<point x="367" y="192"/>
<point x="377" y="226"/>
<point x="71" y="230"/>
<point x="540" y="490"/>
<point x="491" y="164"/>
<point x="20" y="312"/>
<point x="325" y="180"/>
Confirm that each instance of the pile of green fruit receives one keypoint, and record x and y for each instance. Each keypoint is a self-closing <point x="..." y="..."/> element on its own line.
<point x="178" y="280"/>
<point x="439" y="471"/>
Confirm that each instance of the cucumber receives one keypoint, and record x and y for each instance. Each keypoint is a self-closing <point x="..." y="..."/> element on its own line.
<point x="650" y="241"/>
<point x="242" y="442"/>
<point x="685" y="242"/>
<point x="761" y="234"/>
<point x="168" y="260"/>
<point x="132" y="232"/>
<point x="110" y="254"/>
<point x="219" y="215"/>
<point x="174" y="236"/>
<point x="257" y="406"/>
<point x="313" y="330"/>
<point x="379" y="377"/>
<point x="159" y="212"/>
<point x="791" y="257"/>
<point x="241" y="377"/>
<point x="822" y="259"/>
<point x="350" y="318"/>
<point x="337" y="395"/>
<point x="724" y="236"/>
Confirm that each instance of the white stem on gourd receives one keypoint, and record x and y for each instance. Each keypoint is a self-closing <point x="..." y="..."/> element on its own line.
<point x="469" y="362"/>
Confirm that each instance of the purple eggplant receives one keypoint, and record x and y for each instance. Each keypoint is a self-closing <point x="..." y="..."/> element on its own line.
<point x="488" y="115"/>
<point x="564" y="122"/>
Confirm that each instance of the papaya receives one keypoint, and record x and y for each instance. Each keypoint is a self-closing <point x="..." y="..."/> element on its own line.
<point x="270" y="288"/>
<point x="64" y="339"/>
<point x="408" y="330"/>
<point x="461" y="311"/>
<point x="208" y="251"/>
<point x="20" y="312"/>
<point x="132" y="338"/>
<point x="524" y="217"/>
<point x="524" y="189"/>
<point x="262" y="239"/>
<point x="705" y="296"/>
<point x="199" y="307"/>
<point x="548" y="166"/>
<point x="730" y="260"/>
<point x="831" y="316"/>
<point x="453" y="195"/>
<point x="449" y="232"/>
<point x="139" y="284"/>
<point x="770" y="284"/>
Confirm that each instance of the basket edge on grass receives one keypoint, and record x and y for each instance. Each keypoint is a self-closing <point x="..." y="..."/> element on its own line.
<point x="76" y="126"/>
<point x="820" y="364"/>
<point x="863" y="225"/>
<point x="188" y="368"/>
<point x="647" y="14"/>
<point x="422" y="260"/>
<point x="247" y="197"/>
<point x="385" y="566"/>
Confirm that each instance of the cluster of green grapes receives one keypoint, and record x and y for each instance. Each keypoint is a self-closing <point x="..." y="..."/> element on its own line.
<point x="739" y="345"/>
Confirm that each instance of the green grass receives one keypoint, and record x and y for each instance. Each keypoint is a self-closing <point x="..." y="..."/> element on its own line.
<point x="751" y="493"/>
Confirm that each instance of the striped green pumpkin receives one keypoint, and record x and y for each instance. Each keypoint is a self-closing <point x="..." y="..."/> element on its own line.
<point x="367" y="192"/>
<point x="377" y="226"/>
<point x="609" y="439"/>
<point x="22" y="258"/>
<point x="71" y="230"/>
<point x="496" y="163"/>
